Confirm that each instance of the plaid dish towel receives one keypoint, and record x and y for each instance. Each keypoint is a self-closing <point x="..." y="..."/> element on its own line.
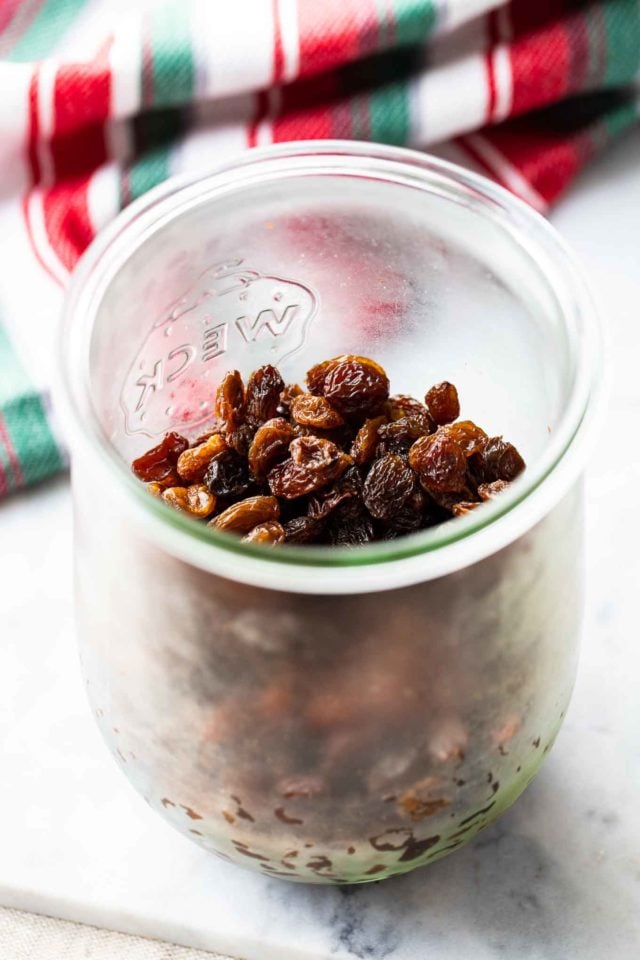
<point x="103" y="99"/>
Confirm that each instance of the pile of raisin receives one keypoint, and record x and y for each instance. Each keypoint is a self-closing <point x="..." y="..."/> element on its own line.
<point x="341" y="463"/>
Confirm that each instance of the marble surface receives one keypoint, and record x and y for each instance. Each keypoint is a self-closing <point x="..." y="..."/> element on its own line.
<point x="558" y="878"/>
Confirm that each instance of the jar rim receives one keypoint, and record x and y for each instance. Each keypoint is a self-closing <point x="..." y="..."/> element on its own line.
<point x="382" y="565"/>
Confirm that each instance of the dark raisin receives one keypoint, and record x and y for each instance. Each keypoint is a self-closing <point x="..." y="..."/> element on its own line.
<point x="230" y="401"/>
<point x="442" y="401"/>
<point x="388" y="485"/>
<point x="243" y="516"/>
<point x="443" y="504"/>
<point x="270" y="532"/>
<point x="263" y="394"/>
<point x="240" y="439"/>
<point x="401" y="405"/>
<point x="346" y="489"/>
<point x="352" y="532"/>
<point x="269" y="445"/>
<point x="313" y="464"/>
<point x="228" y="475"/>
<point x="409" y="518"/>
<point x="496" y="460"/>
<point x="363" y="448"/>
<point x="304" y="529"/>
<point x="158" y="463"/>
<point x="439" y="462"/>
<point x="317" y="374"/>
<point x="312" y="411"/>
<point x="399" y="436"/>
<point x="193" y="463"/>
<point x="357" y="386"/>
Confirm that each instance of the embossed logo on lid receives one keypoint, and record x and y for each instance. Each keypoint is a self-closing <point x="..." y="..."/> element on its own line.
<point x="231" y="309"/>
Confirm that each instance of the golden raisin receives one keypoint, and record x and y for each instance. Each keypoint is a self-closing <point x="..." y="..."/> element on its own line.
<point x="363" y="447"/>
<point x="466" y="434"/>
<point x="196" y="500"/>
<point x="312" y="411"/>
<point x="230" y="401"/>
<point x="193" y="463"/>
<point x="243" y="516"/>
<point x="442" y="401"/>
<point x="271" y="532"/>
<point x="487" y="491"/>
<point x="463" y="507"/>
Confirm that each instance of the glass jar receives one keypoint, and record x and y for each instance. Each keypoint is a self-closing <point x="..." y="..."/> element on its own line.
<point x="326" y="714"/>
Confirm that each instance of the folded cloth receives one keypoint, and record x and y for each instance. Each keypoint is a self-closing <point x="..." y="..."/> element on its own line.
<point x="106" y="98"/>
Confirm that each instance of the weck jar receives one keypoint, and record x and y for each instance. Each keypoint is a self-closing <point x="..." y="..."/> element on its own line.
<point x="329" y="714"/>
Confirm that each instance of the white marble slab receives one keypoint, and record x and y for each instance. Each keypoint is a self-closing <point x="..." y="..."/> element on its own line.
<point x="558" y="878"/>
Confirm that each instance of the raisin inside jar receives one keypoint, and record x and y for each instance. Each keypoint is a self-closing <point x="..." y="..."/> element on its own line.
<point x="343" y="463"/>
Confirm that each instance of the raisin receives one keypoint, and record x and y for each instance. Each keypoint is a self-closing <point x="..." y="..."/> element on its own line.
<point x="270" y="444"/>
<point x="356" y="386"/>
<point x="442" y="401"/>
<point x="193" y="463"/>
<point x="496" y="460"/>
<point x="399" y="436"/>
<point x="230" y="401"/>
<point x="363" y="448"/>
<point x="487" y="491"/>
<point x="158" y="463"/>
<point x="409" y="518"/>
<point x="240" y="439"/>
<point x="439" y="462"/>
<point x="287" y="396"/>
<point x="463" y="507"/>
<point x="270" y="532"/>
<point x="304" y="529"/>
<point x="228" y="475"/>
<point x="443" y="504"/>
<point x="401" y="405"/>
<point x="313" y="464"/>
<point x="353" y="532"/>
<point x="196" y="500"/>
<point x="274" y="438"/>
<point x="243" y="516"/>
<point x="316" y="375"/>
<point x="263" y="394"/>
<point x="466" y="434"/>
<point x="389" y="483"/>
<point x="347" y="488"/>
<point x="312" y="411"/>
